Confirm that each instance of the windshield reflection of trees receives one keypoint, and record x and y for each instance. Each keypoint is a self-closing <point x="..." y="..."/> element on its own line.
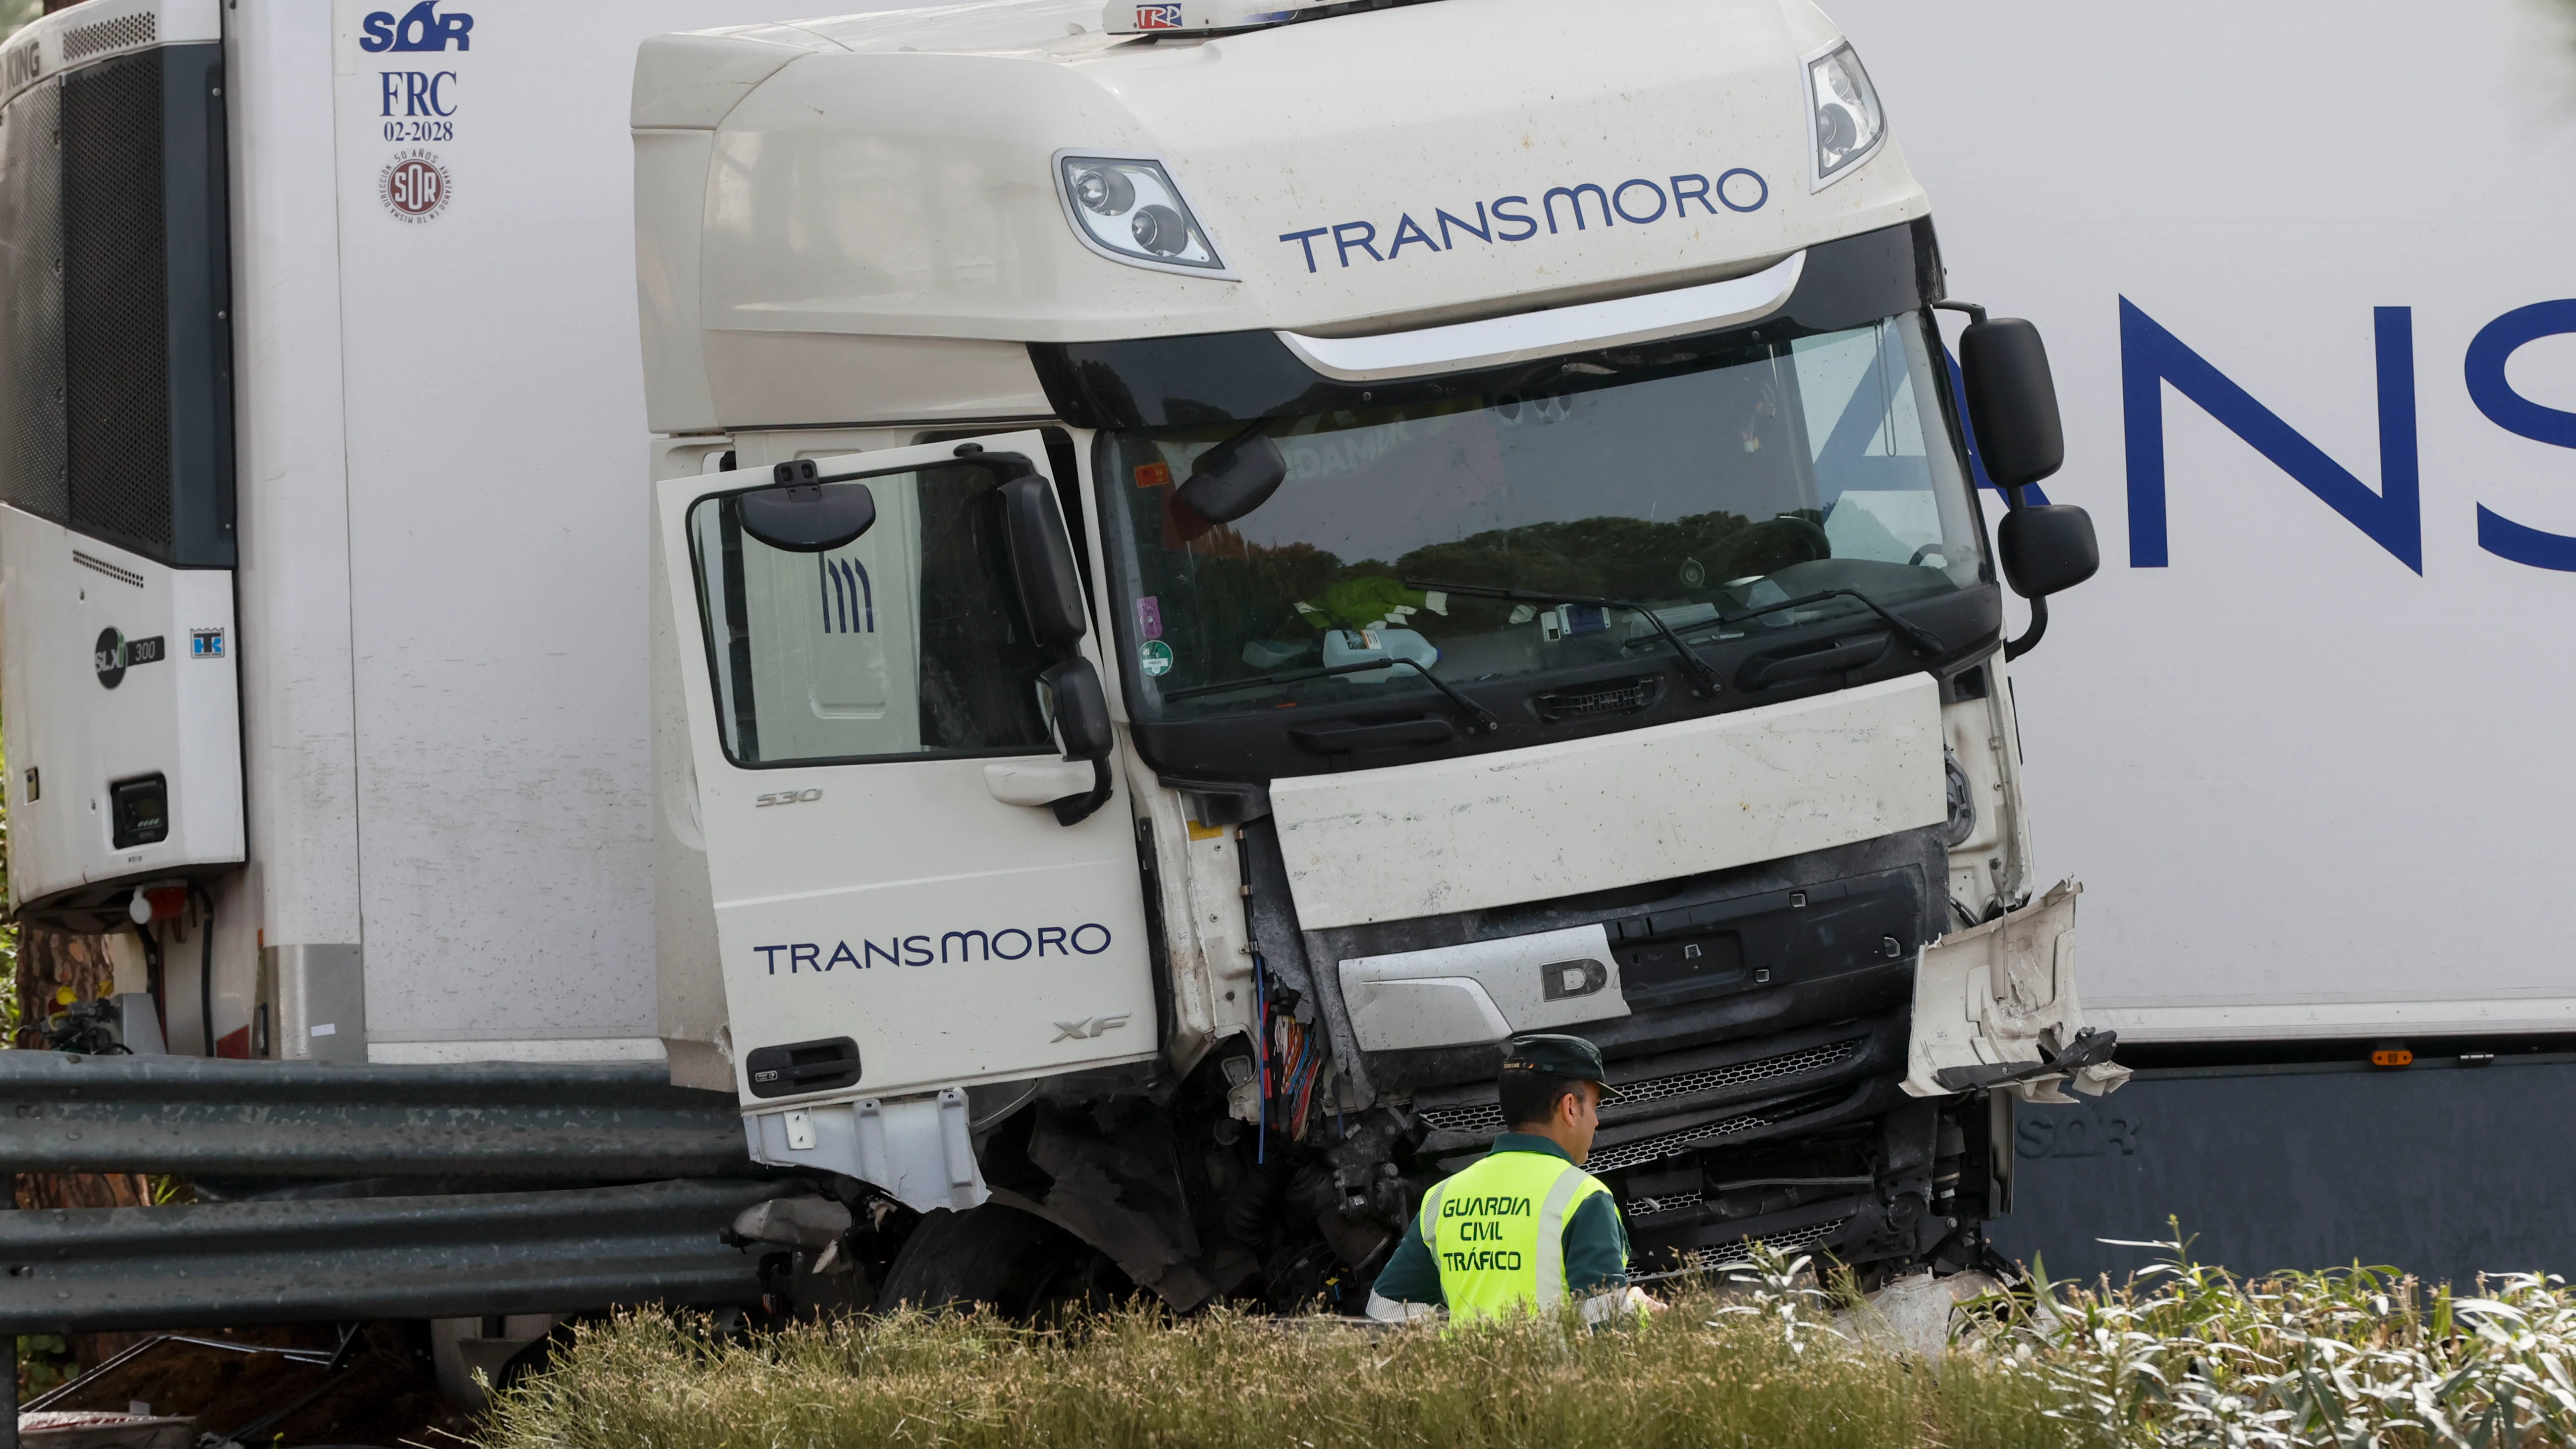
<point x="1250" y="591"/>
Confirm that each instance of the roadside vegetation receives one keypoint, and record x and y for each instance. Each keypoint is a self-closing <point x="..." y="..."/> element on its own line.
<point x="2184" y="1354"/>
<point x="1223" y="1380"/>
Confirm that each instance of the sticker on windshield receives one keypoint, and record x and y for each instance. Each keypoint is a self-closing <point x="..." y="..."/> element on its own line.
<point x="1154" y="475"/>
<point x="1149" y="617"/>
<point x="1156" y="657"/>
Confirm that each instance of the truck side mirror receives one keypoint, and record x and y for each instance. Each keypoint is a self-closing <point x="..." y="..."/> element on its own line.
<point x="1082" y="723"/>
<point x="1233" y="478"/>
<point x="2012" y="402"/>
<point x="1042" y="562"/>
<point x="2047" y="548"/>
<point x="800" y="515"/>
<point x="1081" y="709"/>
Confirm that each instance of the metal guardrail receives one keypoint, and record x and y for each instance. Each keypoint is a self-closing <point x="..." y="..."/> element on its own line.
<point x="64" y="1113"/>
<point x="88" y="1270"/>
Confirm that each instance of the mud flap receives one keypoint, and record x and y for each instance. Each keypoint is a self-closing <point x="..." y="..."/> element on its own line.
<point x="1997" y="1007"/>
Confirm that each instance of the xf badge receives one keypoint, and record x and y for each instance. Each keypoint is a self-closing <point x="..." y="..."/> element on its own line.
<point x="1088" y="1027"/>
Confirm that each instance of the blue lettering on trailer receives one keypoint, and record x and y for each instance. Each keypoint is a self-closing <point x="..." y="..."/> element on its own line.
<point x="416" y="93"/>
<point x="2520" y="416"/>
<point x="2390" y="516"/>
<point x="2150" y="357"/>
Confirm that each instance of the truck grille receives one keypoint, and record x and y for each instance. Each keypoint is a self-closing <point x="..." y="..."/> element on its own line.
<point x="1787" y="1064"/>
<point x="1487" y="1117"/>
<point x="1668" y="1144"/>
<point x="1794" y="1241"/>
<point x="1671" y="1202"/>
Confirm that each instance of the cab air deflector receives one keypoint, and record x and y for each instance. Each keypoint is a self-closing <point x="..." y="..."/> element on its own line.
<point x="1500" y="341"/>
<point x="1159" y="382"/>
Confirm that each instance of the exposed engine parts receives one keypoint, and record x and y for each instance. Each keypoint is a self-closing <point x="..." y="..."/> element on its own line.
<point x="1761" y="1067"/>
<point x="1158" y="1188"/>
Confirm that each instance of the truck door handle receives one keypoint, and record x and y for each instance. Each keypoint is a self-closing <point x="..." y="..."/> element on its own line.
<point x="1855" y="652"/>
<point x="1037" y="782"/>
<point x="1343" y="739"/>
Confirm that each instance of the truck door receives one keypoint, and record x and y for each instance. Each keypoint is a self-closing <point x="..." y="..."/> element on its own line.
<point x="914" y="887"/>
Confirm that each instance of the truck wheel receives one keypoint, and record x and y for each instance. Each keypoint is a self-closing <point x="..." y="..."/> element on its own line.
<point x="1002" y="1258"/>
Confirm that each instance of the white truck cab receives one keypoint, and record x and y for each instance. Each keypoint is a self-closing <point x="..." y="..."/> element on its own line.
<point x="1210" y="566"/>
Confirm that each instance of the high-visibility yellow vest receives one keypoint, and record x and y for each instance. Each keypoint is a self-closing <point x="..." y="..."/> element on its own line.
<point x="1497" y="1230"/>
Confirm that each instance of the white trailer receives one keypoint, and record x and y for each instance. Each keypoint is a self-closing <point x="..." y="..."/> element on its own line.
<point x="2320" y="402"/>
<point x="1196" y="578"/>
<point x="401" y="361"/>
<point x="2305" y="284"/>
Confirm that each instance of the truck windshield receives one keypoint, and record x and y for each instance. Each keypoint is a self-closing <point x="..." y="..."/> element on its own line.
<point x="1776" y="472"/>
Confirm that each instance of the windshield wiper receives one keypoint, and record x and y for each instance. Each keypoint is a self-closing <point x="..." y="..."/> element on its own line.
<point x="1922" y="641"/>
<point x="1480" y="720"/>
<point x="1706" y="678"/>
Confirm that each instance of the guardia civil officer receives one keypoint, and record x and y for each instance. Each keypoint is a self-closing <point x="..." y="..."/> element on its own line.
<point x="1527" y="1226"/>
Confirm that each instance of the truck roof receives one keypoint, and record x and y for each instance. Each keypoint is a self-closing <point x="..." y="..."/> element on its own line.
<point x="900" y="174"/>
<point x="983" y="27"/>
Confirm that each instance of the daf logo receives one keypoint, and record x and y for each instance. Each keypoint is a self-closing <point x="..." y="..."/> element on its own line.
<point x="1563" y="979"/>
<point x="1088" y="1027"/>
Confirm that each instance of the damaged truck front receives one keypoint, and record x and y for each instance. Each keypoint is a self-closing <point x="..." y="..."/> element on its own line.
<point x="1211" y="566"/>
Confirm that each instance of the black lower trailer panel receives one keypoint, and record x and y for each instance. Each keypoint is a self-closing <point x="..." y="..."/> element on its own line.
<point x="2447" y="1168"/>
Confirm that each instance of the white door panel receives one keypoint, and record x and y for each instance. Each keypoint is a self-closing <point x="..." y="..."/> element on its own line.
<point x="872" y="886"/>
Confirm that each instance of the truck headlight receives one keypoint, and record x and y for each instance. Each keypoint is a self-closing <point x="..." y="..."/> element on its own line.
<point x="1127" y="208"/>
<point x="1843" y="117"/>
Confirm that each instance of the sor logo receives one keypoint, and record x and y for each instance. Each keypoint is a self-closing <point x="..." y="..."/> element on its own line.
<point x="420" y="28"/>
<point x="1158" y="17"/>
<point x="415" y="186"/>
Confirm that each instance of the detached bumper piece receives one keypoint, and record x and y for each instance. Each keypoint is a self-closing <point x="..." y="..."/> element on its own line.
<point x="1996" y="1007"/>
<point x="2090" y="1049"/>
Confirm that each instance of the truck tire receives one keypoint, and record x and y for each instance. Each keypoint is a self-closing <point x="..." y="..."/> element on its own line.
<point x="1001" y="1258"/>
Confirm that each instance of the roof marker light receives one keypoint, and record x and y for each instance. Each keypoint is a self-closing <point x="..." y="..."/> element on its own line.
<point x="1127" y="208"/>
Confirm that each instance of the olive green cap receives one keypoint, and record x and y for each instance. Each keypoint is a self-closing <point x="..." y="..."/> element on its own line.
<point x="1564" y="1056"/>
